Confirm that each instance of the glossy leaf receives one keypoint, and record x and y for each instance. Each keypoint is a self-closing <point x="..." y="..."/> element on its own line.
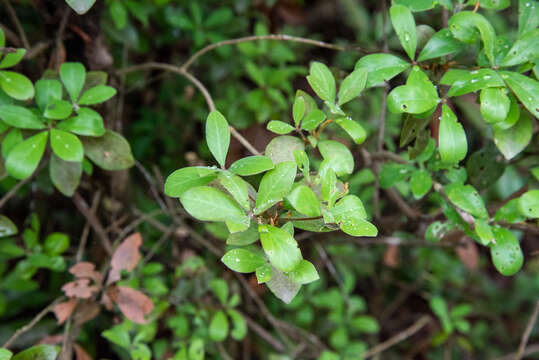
<point x="484" y="231"/>
<point x="506" y="253"/>
<point x="58" y="110"/>
<point x="465" y="26"/>
<point x="20" y="117"/>
<point x="73" y="76"/>
<point x="12" y="59"/>
<point x="97" y="95"/>
<point x="66" y="146"/>
<point x="280" y="247"/>
<point x="404" y="25"/>
<point x="305" y="201"/>
<point x="56" y="244"/>
<point x="339" y="157"/>
<point x="381" y="67"/>
<point x="353" y="128"/>
<point x="512" y="141"/>
<point x="275" y="185"/>
<point x="418" y="95"/>
<point x="304" y="273"/>
<point x="348" y="207"/>
<point x="65" y="175"/>
<point x="237" y="187"/>
<point x="264" y="273"/>
<point x="39" y="352"/>
<point x="417" y="5"/>
<point x="87" y="122"/>
<point x="495" y="104"/>
<point x="24" y="158"/>
<point x="525" y="88"/>
<point x="463" y="82"/>
<point x="528" y="16"/>
<point x="110" y="151"/>
<point x="209" y="204"/>
<point x="452" y="142"/>
<point x="312" y="120"/>
<point x="526" y="48"/>
<point x="7" y="227"/>
<point x="251" y="165"/>
<point x="467" y="198"/>
<point x="440" y="44"/>
<point x="183" y="179"/>
<point x="358" y="227"/>
<point x="528" y="204"/>
<point x="16" y="85"/>
<point x="280" y="127"/>
<point x="322" y="81"/>
<point x="243" y="260"/>
<point x="420" y="183"/>
<point x="298" y="109"/>
<point x="352" y="85"/>
<point x="47" y="91"/>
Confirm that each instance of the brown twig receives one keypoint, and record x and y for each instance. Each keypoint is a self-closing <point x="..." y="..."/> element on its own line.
<point x="82" y="206"/>
<point x="17" y="23"/>
<point x="15" y="188"/>
<point x="86" y="229"/>
<point x="527" y="332"/>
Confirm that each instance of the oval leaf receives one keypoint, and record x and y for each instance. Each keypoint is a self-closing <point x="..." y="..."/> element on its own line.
<point x="66" y="146"/>
<point x="23" y="159"/>
<point x="280" y="247"/>
<point x="275" y="185"/>
<point x="243" y="260"/>
<point x="453" y="145"/>
<point x="251" y="165"/>
<point x="506" y="252"/>
<point x="404" y="25"/>
<point x="218" y="136"/>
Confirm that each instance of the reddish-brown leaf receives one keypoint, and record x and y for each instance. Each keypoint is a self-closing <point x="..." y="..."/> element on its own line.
<point x="132" y="303"/>
<point x="81" y="354"/>
<point x="86" y="311"/>
<point x="468" y="254"/>
<point x="64" y="310"/>
<point x="86" y="270"/>
<point x="126" y="257"/>
<point x="79" y="288"/>
<point x="51" y="340"/>
<point x="391" y="256"/>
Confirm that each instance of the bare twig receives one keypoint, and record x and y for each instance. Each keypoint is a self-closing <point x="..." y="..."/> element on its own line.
<point x="253" y="325"/>
<point x="33" y="322"/>
<point x="86" y="229"/>
<point x="527" y="332"/>
<point x="532" y="349"/>
<point x="82" y="206"/>
<point x="15" y="188"/>
<point x="403" y="335"/>
<point x="17" y="23"/>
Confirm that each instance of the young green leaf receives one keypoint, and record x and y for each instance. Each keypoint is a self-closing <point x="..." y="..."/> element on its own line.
<point x="510" y="212"/>
<point x="528" y="204"/>
<point x="66" y="146"/>
<point x="302" y="161"/>
<point x="353" y="128"/>
<point x="512" y="141"/>
<point x="352" y="85"/>
<point x="97" y="95"/>
<point x="280" y="247"/>
<point x="73" y="76"/>
<point x="239" y="326"/>
<point x="440" y="44"/>
<point x="16" y="85"/>
<point x="420" y="183"/>
<point x="7" y="227"/>
<point x="348" y="207"/>
<point x="275" y="185"/>
<point x="182" y="180"/>
<point x="484" y="231"/>
<point x="525" y="49"/>
<point x="418" y="95"/>
<point x="280" y="127"/>
<point x="209" y="204"/>
<point x="218" y="329"/>
<point x="417" y="5"/>
<point x="495" y="104"/>
<point x="525" y="88"/>
<point x="356" y="226"/>
<point x="56" y="244"/>
<point x="452" y="142"/>
<point x="304" y="273"/>
<point x="23" y="159"/>
<point x="237" y="187"/>
<point x="312" y="120"/>
<point x="381" y="67"/>
<point x="305" y="201"/>
<point x="466" y="24"/>
<point x="47" y="91"/>
<point x="5" y="354"/>
<point x="264" y="273"/>
<point x="13" y="138"/>
<point x="251" y="165"/>
<point x="468" y="199"/>
<point x="463" y="82"/>
<point x="404" y="25"/>
<point x="58" y="110"/>
<point x="110" y="151"/>
<point x="338" y="155"/>
<point x="328" y="183"/>
<point x="322" y="81"/>
<point x="439" y="307"/>
<point x="506" y="253"/>
<point x="243" y="260"/>
<point x="41" y="352"/>
<point x="65" y="175"/>
<point x="218" y="136"/>
<point x="298" y="109"/>
<point x="20" y="117"/>
<point x="87" y="122"/>
<point x="12" y="59"/>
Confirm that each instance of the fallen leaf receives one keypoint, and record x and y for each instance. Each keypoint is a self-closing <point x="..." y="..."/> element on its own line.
<point x="79" y="288"/>
<point x="86" y="311"/>
<point x="132" y="303"/>
<point x="126" y="257"/>
<point x="81" y="354"/>
<point x="64" y="310"/>
<point x="86" y="270"/>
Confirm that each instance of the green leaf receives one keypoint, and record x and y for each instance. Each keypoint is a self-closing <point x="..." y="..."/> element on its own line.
<point x="16" y="85"/>
<point x="353" y="128"/>
<point x="283" y="287"/>
<point x="510" y="212"/>
<point x="420" y="183"/>
<point x="80" y="6"/>
<point x="381" y="67"/>
<point x="352" y="85"/>
<point x="66" y="146"/>
<point x="298" y="109"/>
<point x="528" y="204"/>
<point x="12" y="59"/>
<point x="280" y="247"/>
<point x="218" y="329"/>
<point x="280" y="127"/>
<point x="305" y="201"/>
<point x="467" y="198"/>
<point x="97" y="95"/>
<point x="322" y="81"/>
<point x="237" y="187"/>
<point x="87" y="122"/>
<point x="338" y="155"/>
<point x="13" y="138"/>
<point x="239" y="326"/>
<point x="251" y="165"/>
<point x="506" y="253"/>
<point x="2" y="38"/>
<point x="196" y="349"/>
<point x="39" y="352"/>
<point x="56" y="244"/>
<point x="40" y="260"/>
<point x="528" y="16"/>
<point x="5" y="354"/>
<point x="7" y="227"/>
<point x="65" y="175"/>
<point x="23" y="159"/>
<point x="525" y="88"/>
<point x="348" y="207"/>
<point x="417" y="5"/>
<point x="218" y="136"/>
<point x="209" y="204"/>
<point x="110" y="151"/>
<point x="73" y="76"/>
<point x="495" y="4"/>
<point x="463" y="82"/>
<point x="495" y="104"/>
<point x="404" y="25"/>
<point x="365" y="324"/>
<point x="452" y="142"/>
<point x="483" y="172"/>
<point x="275" y="185"/>
<point x="304" y="273"/>
<point x="512" y="116"/>
<point x="328" y="183"/>
<point x="439" y="307"/>
<point x="302" y="161"/>
<point x="243" y="260"/>
<point x="20" y="117"/>
<point x="526" y="48"/>
<point x="512" y="141"/>
<point x="184" y="179"/>
<point x="264" y="273"/>
<point x="312" y="120"/>
<point x="47" y="91"/>
<point x="356" y="226"/>
<point x="392" y="173"/>
<point x="418" y="95"/>
<point x="484" y="231"/>
<point x="58" y="110"/>
<point x="440" y="44"/>
<point x="465" y="26"/>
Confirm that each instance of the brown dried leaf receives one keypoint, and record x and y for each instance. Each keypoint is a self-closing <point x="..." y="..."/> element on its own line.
<point x="64" y="310"/>
<point x="79" y="288"/>
<point x="86" y="311"/>
<point x="126" y="257"/>
<point x="468" y="254"/>
<point x="51" y="340"/>
<point x="86" y="270"/>
<point x="391" y="256"/>
<point x="132" y="303"/>
<point x="81" y="354"/>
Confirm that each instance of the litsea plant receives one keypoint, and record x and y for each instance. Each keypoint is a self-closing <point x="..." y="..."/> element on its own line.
<point x="300" y="182"/>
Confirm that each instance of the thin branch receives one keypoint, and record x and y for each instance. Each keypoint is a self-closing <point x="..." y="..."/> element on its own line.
<point x="15" y="188"/>
<point x="532" y="349"/>
<point x="278" y="37"/>
<point x="527" y="332"/>
<point x="253" y="325"/>
<point x="17" y="23"/>
<point x="403" y="335"/>
<point x="33" y="322"/>
<point x="82" y="206"/>
<point x="86" y="229"/>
